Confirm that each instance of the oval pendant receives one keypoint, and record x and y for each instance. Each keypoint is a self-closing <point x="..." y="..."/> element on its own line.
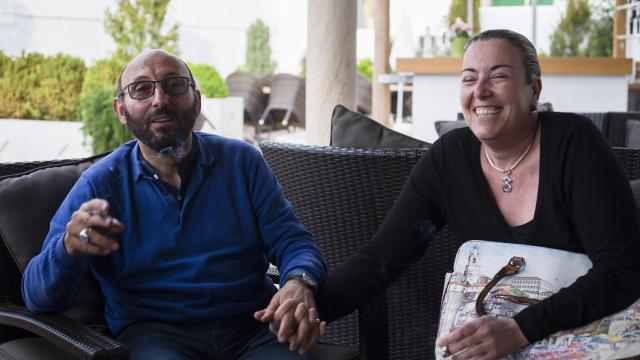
<point x="506" y="185"/>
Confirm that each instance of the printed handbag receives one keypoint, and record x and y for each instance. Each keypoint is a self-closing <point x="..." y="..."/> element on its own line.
<point x="524" y="275"/>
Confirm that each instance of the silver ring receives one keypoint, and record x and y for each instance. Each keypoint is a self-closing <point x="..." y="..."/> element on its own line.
<point x="317" y="320"/>
<point x="443" y="351"/>
<point x="84" y="236"/>
<point x="96" y="212"/>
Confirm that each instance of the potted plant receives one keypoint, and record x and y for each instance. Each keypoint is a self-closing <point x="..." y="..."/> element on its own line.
<point x="459" y="37"/>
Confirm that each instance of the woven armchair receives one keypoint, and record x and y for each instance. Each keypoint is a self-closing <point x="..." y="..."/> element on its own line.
<point x="342" y="195"/>
<point x="60" y="335"/>
<point x="30" y="193"/>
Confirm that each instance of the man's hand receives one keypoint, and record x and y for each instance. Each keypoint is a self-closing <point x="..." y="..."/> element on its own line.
<point x="484" y="338"/>
<point x="94" y="222"/>
<point x="292" y="316"/>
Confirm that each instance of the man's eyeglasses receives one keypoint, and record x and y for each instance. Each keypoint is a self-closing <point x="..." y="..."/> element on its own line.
<point x="172" y="86"/>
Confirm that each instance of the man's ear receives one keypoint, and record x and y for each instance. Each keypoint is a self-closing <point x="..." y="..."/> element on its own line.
<point x="197" y="98"/>
<point x="118" y="107"/>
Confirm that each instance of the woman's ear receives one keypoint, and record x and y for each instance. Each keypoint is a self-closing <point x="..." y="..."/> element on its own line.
<point x="535" y="96"/>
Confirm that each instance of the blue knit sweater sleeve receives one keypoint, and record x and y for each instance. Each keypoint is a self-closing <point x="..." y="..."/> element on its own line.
<point x="288" y="244"/>
<point x="53" y="277"/>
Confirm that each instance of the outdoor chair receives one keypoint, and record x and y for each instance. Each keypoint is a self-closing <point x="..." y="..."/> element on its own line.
<point x="286" y="104"/>
<point x="623" y="129"/>
<point x="30" y="193"/>
<point x="342" y="196"/>
<point x="249" y="88"/>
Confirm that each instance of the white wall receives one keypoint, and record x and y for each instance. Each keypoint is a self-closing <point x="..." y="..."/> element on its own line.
<point x="28" y="140"/>
<point x="520" y="19"/>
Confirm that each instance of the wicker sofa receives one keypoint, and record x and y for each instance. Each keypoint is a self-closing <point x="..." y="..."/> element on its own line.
<point x="340" y="194"/>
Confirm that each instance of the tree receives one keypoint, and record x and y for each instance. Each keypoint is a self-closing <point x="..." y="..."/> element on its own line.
<point x="258" y="54"/>
<point x="601" y="38"/>
<point x="137" y="24"/>
<point x="568" y="37"/>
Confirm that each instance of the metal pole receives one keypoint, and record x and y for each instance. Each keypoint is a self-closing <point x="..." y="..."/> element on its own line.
<point x="534" y="8"/>
<point x="470" y="14"/>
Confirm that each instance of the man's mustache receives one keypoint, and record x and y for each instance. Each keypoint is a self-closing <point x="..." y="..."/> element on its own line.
<point x="161" y="111"/>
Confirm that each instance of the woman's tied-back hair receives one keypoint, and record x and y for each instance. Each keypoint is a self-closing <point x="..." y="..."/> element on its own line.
<point x="525" y="47"/>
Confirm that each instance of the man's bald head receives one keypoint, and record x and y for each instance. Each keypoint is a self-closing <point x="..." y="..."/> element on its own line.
<point x="146" y="56"/>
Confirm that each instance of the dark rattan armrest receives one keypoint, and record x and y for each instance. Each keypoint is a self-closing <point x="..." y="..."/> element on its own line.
<point x="75" y="338"/>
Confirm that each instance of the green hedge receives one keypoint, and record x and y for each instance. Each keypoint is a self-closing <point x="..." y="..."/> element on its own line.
<point x="34" y="86"/>
<point x="211" y="84"/>
<point x="101" y="123"/>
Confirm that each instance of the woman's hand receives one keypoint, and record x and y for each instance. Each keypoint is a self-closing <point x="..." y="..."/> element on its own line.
<point x="483" y="339"/>
<point x="292" y="317"/>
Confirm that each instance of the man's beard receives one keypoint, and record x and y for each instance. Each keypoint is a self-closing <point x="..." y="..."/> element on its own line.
<point x="167" y="141"/>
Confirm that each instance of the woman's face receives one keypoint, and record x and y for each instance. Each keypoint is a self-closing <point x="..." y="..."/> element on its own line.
<point x="495" y="97"/>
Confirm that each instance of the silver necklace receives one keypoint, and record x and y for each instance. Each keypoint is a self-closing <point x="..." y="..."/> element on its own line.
<point x="506" y="181"/>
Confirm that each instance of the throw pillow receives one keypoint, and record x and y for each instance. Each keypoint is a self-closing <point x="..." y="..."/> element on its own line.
<point x="443" y="126"/>
<point x="29" y="201"/>
<point x="351" y="129"/>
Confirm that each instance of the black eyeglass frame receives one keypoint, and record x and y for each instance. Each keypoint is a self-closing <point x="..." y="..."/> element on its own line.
<point x="162" y="82"/>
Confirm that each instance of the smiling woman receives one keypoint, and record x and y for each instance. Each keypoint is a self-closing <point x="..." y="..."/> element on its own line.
<point x="514" y="176"/>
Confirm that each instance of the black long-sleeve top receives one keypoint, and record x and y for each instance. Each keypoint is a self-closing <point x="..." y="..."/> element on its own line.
<point x="584" y="204"/>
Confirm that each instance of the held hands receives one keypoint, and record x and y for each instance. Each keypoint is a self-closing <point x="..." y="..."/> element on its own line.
<point x="292" y="317"/>
<point x="88" y="228"/>
<point x="483" y="338"/>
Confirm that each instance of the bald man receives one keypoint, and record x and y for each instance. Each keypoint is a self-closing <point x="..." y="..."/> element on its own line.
<point x="178" y="227"/>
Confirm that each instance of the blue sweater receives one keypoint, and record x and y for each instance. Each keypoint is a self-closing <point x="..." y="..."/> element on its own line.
<point x="198" y="260"/>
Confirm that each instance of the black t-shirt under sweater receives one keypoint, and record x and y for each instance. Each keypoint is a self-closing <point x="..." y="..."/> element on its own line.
<point x="584" y="204"/>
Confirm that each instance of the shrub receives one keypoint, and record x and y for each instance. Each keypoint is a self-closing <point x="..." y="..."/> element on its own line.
<point x="100" y="121"/>
<point x="210" y="82"/>
<point x="35" y="86"/>
<point x="103" y="72"/>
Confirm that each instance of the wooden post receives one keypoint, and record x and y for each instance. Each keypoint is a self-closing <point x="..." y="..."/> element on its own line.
<point x="381" y="97"/>
<point x="619" y="28"/>
<point x="331" y="64"/>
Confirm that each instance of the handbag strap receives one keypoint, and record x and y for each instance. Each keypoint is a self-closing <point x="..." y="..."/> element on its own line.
<point x="513" y="267"/>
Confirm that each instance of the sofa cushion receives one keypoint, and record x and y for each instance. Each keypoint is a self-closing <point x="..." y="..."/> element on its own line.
<point x="351" y="129"/>
<point x="444" y="126"/>
<point x="29" y="201"/>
